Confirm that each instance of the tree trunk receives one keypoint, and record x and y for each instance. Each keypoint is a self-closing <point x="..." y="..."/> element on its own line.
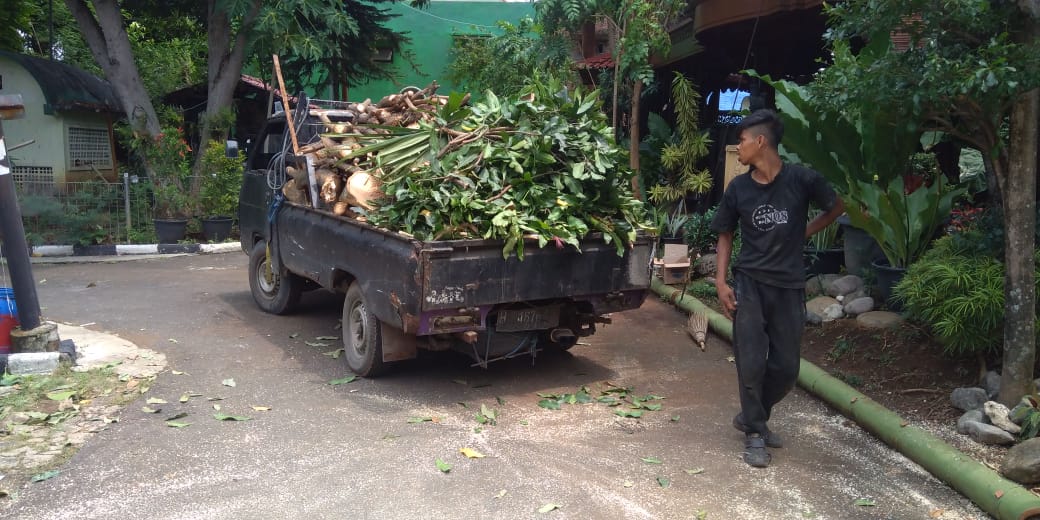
<point x="1020" y="225"/>
<point x="633" y="139"/>
<point x="106" y="36"/>
<point x="224" y="68"/>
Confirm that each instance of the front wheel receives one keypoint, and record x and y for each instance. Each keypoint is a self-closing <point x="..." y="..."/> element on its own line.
<point x="274" y="292"/>
<point x="362" y="336"/>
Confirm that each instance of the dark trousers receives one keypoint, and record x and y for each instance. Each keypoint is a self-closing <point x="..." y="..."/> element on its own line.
<point x="767" y="340"/>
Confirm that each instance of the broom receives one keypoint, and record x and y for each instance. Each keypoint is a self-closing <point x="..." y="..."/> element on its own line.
<point x="697" y="327"/>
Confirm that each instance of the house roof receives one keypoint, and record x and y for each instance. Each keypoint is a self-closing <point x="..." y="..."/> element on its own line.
<point x="66" y="87"/>
<point x="599" y="61"/>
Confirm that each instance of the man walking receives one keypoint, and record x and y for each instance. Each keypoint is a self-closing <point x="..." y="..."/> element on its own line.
<point x="770" y="204"/>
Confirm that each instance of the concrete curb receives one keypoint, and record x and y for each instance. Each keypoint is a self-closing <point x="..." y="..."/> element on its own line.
<point x="137" y="249"/>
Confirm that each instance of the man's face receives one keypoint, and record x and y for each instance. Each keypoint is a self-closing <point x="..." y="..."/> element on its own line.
<point x="749" y="147"/>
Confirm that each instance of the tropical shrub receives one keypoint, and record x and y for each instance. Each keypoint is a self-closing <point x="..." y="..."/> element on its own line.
<point x="222" y="177"/>
<point x="959" y="294"/>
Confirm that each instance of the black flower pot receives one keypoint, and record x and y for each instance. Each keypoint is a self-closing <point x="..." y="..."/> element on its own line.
<point x="860" y="248"/>
<point x="217" y="229"/>
<point x="170" y="231"/>
<point x="823" y="261"/>
<point x="887" y="278"/>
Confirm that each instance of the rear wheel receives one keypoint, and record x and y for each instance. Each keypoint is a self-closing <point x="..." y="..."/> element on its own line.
<point x="362" y="337"/>
<point x="274" y="292"/>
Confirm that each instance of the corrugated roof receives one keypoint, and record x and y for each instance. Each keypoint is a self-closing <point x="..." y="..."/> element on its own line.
<point x="66" y="87"/>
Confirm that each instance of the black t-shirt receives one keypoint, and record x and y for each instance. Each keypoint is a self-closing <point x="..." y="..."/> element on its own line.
<point x="772" y="219"/>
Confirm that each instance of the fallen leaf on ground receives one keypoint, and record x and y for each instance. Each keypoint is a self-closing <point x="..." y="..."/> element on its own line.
<point x="262" y="408"/>
<point x="500" y="494"/>
<point x="228" y="382"/>
<point x="146" y="409"/>
<point x="415" y="420"/>
<point x="61" y="396"/>
<point x="462" y="382"/>
<point x="316" y="344"/>
<point x="225" y="417"/>
<point x="731" y="359"/>
<point x="500" y="400"/>
<point x="634" y="414"/>
<point x="216" y="407"/>
<point x="628" y="483"/>
<point x="178" y="373"/>
<point x="171" y="340"/>
<point x="695" y="471"/>
<point x="46" y="475"/>
<point x="294" y="335"/>
<point x="549" y="404"/>
<point x="343" y="380"/>
<point x="548" y="507"/>
<point x="334" y="354"/>
<point x="675" y="418"/>
<point x="864" y="502"/>
<point x="471" y="453"/>
<point x="178" y="416"/>
<point x="651" y="460"/>
<point x="215" y="399"/>
<point x="443" y="466"/>
<point x="175" y="424"/>
<point x="936" y="513"/>
<point x="184" y="398"/>
<point x="327" y="338"/>
<point x="663" y="482"/>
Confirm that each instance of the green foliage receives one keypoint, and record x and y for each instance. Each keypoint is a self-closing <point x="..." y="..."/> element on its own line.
<point x="222" y="178"/>
<point x="903" y="224"/>
<point x="985" y="235"/>
<point x="699" y="237"/>
<point x="504" y="63"/>
<point x="680" y="154"/>
<point x="826" y="238"/>
<point x="702" y="289"/>
<point x="543" y="164"/>
<point x="961" y="81"/>
<point x="88" y="215"/>
<point x="845" y="145"/>
<point x="959" y="295"/>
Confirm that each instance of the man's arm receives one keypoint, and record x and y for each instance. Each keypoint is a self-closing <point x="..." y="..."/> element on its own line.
<point x="723" y="250"/>
<point x="824" y="219"/>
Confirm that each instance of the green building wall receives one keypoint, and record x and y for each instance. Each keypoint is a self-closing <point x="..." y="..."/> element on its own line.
<point x="431" y="31"/>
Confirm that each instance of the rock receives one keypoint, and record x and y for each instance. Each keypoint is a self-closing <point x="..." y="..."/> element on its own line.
<point x="862" y="292"/>
<point x="811" y="318"/>
<point x="966" y="399"/>
<point x="859" y="306"/>
<point x="1023" y="462"/>
<point x="840" y="298"/>
<point x="989" y="434"/>
<point x="844" y="285"/>
<point x="969" y="417"/>
<point x="833" y="312"/>
<point x="991" y="383"/>
<point x="998" y="415"/>
<point x="820" y="303"/>
<point x="879" y="319"/>
<point x="706" y="265"/>
<point x="18" y="418"/>
<point x="817" y="285"/>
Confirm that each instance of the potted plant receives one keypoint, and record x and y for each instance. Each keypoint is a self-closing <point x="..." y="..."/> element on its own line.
<point x="824" y="253"/>
<point x="218" y="197"/>
<point x="903" y="223"/>
<point x="169" y="168"/>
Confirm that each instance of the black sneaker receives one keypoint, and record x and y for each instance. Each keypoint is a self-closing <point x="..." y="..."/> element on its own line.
<point x="755" y="454"/>
<point x="772" y="440"/>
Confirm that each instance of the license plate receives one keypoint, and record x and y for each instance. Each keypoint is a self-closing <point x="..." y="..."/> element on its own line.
<point x="539" y="318"/>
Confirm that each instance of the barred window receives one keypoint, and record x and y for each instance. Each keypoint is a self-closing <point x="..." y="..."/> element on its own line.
<point x="33" y="180"/>
<point x="89" y="147"/>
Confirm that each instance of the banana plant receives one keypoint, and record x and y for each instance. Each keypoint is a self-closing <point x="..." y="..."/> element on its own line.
<point x="902" y="223"/>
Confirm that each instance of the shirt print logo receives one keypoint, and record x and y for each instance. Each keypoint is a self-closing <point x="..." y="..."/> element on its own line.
<point x="766" y="217"/>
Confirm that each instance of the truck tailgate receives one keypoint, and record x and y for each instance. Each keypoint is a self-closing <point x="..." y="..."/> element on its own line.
<point x="474" y="273"/>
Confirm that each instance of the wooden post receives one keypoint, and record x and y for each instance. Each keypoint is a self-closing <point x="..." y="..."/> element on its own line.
<point x="285" y="105"/>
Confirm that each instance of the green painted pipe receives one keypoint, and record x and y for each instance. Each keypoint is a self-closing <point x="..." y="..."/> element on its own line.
<point x="1000" y="497"/>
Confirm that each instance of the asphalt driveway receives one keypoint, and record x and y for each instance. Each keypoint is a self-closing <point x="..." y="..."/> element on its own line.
<point x="369" y="448"/>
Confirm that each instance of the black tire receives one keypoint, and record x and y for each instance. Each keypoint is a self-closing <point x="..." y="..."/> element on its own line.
<point x="362" y="335"/>
<point x="282" y="293"/>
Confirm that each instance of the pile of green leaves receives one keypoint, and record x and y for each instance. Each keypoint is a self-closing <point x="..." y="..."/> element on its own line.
<point x="542" y="165"/>
<point x="623" y="399"/>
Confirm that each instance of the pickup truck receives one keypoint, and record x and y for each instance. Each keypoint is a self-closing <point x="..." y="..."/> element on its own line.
<point x="402" y="294"/>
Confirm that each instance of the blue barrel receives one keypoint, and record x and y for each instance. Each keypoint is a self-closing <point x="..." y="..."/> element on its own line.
<point x="8" y="318"/>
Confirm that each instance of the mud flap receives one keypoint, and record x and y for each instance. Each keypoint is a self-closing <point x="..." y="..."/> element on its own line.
<point x="397" y="344"/>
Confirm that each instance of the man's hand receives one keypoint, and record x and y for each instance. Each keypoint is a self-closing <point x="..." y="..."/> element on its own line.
<point x="727" y="298"/>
